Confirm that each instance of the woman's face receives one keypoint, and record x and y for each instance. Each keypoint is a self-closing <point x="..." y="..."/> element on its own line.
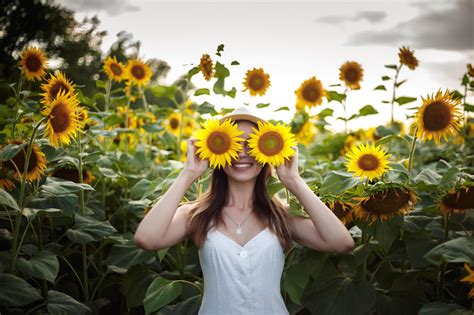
<point x="245" y="167"/>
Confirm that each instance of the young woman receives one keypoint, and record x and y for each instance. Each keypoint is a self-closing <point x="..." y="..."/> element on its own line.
<point x="240" y="231"/>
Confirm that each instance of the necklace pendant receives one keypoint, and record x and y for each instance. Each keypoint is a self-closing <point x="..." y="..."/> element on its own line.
<point x="238" y="230"/>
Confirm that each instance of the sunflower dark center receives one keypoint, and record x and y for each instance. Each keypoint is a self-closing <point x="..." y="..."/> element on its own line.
<point x="270" y="143"/>
<point x="462" y="199"/>
<point x="20" y="159"/>
<point x="368" y="162"/>
<point x="437" y="116"/>
<point x="256" y="82"/>
<point x="218" y="142"/>
<point x="60" y="117"/>
<point x="409" y="58"/>
<point x="311" y="93"/>
<point x="33" y="63"/>
<point x="174" y="123"/>
<point x="339" y="210"/>
<point x="57" y="87"/>
<point x="352" y="75"/>
<point x="116" y="69"/>
<point x="387" y="202"/>
<point x="138" y="72"/>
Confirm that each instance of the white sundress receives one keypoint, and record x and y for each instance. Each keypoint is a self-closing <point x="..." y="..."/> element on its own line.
<point x="242" y="279"/>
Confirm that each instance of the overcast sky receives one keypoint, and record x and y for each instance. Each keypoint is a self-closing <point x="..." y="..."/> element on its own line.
<point x="295" y="41"/>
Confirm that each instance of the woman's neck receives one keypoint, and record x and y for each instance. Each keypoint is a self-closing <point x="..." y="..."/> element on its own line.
<point x="241" y="195"/>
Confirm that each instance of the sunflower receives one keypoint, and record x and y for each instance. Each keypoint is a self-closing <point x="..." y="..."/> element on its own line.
<point x="5" y="182"/>
<point x="439" y="116"/>
<point x="407" y="58"/>
<point x="384" y="204"/>
<point x="82" y="117"/>
<point x="220" y="143"/>
<point x="36" y="164"/>
<point x="271" y="143"/>
<point x="206" y="67"/>
<point x="256" y="81"/>
<point x="123" y="112"/>
<point x="62" y="123"/>
<point x="33" y="63"/>
<point x="306" y="133"/>
<point x="189" y="127"/>
<point x="184" y="150"/>
<point x="351" y="73"/>
<point x="138" y="72"/>
<point x="56" y="84"/>
<point x="173" y="123"/>
<point x="359" y="136"/>
<point x="367" y="161"/>
<point x="114" y="70"/>
<point x="458" y="200"/>
<point x="469" y="278"/>
<point x="341" y="209"/>
<point x="310" y="93"/>
<point x="72" y="174"/>
<point x="470" y="70"/>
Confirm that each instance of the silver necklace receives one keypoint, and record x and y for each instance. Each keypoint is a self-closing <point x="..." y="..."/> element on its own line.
<point x="238" y="229"/>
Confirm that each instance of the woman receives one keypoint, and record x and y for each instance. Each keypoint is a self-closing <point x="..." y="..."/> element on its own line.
<point x="240" y="231"/>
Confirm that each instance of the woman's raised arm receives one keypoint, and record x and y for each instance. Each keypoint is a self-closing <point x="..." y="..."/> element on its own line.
<point x="165" y="223"/>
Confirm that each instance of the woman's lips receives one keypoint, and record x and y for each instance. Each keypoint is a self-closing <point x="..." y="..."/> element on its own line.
<point x="242" y="165"/>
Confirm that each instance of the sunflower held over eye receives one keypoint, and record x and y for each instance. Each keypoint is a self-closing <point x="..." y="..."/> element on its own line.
<point x="138" y="72"/>
<point x="439" y="116"/>
<point x="407" y="58"/>
<point x="310" y="93"/>
<point x="271" y="144"/>
<point x="220" y="143"/>
<point x="62" y="124"/>
<point x="256" y="81"/>
<point x="114" y="69"/>
<point x="385" y="203"/>
<point x="33" y="63"/>
<point x="36" y="164"/>
<point x="351" y="73"/>
<point x="56" y="84"/>
<point x="206" y="66"/>
<point x="367" y="161"/>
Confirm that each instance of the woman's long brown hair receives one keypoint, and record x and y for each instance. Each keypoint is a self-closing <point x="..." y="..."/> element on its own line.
<point x="206" y="211"/>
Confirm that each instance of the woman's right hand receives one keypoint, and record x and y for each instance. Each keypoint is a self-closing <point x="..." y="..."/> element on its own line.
<point x="194" y="164"/>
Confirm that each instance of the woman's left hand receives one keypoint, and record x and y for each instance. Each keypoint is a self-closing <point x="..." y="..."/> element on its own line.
<point x="288" y="171"/>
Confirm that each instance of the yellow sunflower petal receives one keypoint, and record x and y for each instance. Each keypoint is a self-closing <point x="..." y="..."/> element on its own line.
<point x="206" y="66"/>
<point x="310" y="93"/>
<point x="57" y="83"/>
<point x="407" y="58"/>
<point x="114" y="70"/>
<point x="367" y="161"/>
<point x="138" y="72"/>
<point x="36" y="164"/>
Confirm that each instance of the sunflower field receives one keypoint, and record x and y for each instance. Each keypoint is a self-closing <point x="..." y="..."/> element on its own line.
<point x="79" y="172"/>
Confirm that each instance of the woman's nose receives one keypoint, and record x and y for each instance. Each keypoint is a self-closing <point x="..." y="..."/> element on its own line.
<point x="244" y="151"/>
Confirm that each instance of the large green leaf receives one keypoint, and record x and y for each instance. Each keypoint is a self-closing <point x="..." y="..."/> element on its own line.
<point x="460" y="249"/>
<point x="15" y="291"/>
<point x="417" y="247"/>
<point x="404" y="100"/>
<point x="59" y="187"/>
<point x="429" y="177"/>
<point x="43" y="265"/>
<point x="386" y="231"/>
<point x="88" y="229"/>
<point x="137" y="279"/>
<point x="338" y="182"/>
<point x="7" y="200"/>
<point x="367" y="110"/>
<point x="124" y="256"/>
<point x="160" y="293"/>
<point x="440" y="308"/>
<point x="60" y="304"/>
<point x="11" y="150"/>
<point x="296" y="278"/>
<point x="342" y="296"/>
<point x="188" y="306"/>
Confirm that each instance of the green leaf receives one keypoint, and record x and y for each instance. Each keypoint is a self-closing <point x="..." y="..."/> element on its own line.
<point x="295" y="280"/>
<point x="465" y="79"/>
<point x="234" y="63"/>
<point x="428" y="176"/>
<point x="417" y="247"/>
<point x="386" y="78"/>
<point x="335" y="96"/>
<point x="338" y="182"/>
<point x="43" y="265"/>
<point x="386" y="232"/>
<point x="342" y="296"/>
<point x="449" y="177"/>
<point x="124" y="256"/>
<point x="404" y="100"/>
<point x="57" y="186"/>
<point x="457" y="250"/>
<point x="367" y="110"/>
<point x="160" y="293"/>
<point x="400" y="83"/>
<point x="468" y="107"/>
<point x="325" y="113"/>
<point x="15" y="291"/>
<point x="262" y="105"/>
<point x="60" y="303"/>
<point x="88" y="229"/>
<point x="221" y="71"/>
<point x="139" y="188"/>
<point x="441" y="308"/>
<point x="136" y="281"/>
<point x="391" y="67"/>
<point x="203" y="91"/>
<point x="193" y="71"/>
<point x="7" y="200"/>
<point x="282" y="108"/>
<point x="11" y="150"/>
<point x="381" y="87"/>
<point x="220" y="49"/>
<point x="189" y="306"/>
<point x="100" y="84"/>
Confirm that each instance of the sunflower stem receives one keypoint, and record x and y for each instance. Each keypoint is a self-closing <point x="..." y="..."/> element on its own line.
<point x="394" y="90"/>
<point x="182" y="109"/>
<point x="126" y="124"/>
<point x="441" y="280"/>
<point x="145" y="103"/>
<point x="447" y="221"/>
<point x="17" y="103"/>
<point x="345" y="110"/>
<point x="107" y="95"/>
<point x="363" y="274"/>
<point x="412" y="150"/>
<point x="21" y="198"/>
